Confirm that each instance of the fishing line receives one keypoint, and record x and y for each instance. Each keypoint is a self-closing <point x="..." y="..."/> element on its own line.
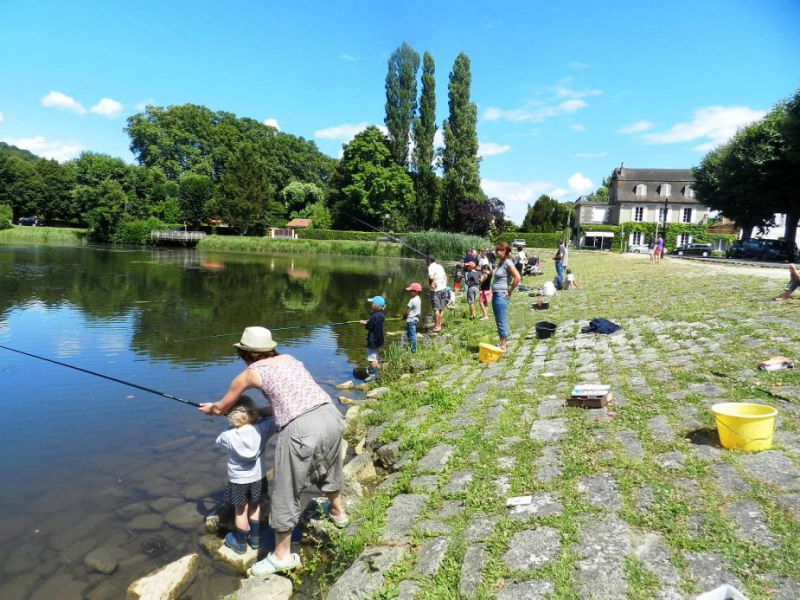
<point x="219" y="335"/>
<point x="389" y="235"/>
<point x="751" y="385"/>
<point x="122" y="381"/>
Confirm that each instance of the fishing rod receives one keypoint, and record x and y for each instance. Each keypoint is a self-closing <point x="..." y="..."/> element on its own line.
<point x="751" y="385"/>
<point x="122" y="381"/>
<point x="389" y="235"/>
<point x="219" y="335"/>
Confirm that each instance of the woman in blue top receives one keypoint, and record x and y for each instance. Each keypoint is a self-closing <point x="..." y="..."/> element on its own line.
<point x="506" y="279"/>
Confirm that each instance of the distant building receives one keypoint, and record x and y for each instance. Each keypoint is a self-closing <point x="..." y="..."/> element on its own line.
<point x="590" y="212"/>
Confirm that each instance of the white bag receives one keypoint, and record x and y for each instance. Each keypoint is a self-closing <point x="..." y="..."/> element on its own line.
<point x="548" y="289"/>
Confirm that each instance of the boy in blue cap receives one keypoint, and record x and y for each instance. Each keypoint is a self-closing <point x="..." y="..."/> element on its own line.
<point x="374" y="334"/>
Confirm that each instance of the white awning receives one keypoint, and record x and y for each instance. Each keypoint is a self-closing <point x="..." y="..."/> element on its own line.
<point x="600" y="234"/>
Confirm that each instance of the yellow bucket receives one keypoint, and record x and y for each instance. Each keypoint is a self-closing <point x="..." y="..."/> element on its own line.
<point x="745" y="425"/>
<point x="488" y="353"/>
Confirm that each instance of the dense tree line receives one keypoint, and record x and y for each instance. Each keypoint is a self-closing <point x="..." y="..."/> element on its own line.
<point x="756" y="174"/>
<point x="196" y="166"/>
<point x="547" y="215"/>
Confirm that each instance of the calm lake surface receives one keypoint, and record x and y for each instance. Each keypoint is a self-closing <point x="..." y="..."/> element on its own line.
<point x="87" y="462"/>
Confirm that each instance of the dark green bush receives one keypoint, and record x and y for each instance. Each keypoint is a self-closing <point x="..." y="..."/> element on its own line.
<point x="336" y="234"/>
<point x="5" y="216"/>
<point x="136" y="231"/>
<point x="533" y="240"/>
<point x="444" y="246"/>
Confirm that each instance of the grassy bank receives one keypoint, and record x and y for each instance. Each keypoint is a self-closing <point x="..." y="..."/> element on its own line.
<point x="615" y="488"/>
<point x="263" y="245"/>
<point x="43" y="235"/>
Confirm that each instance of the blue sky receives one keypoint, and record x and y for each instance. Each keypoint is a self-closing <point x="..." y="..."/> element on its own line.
<point x="565" y="90"/>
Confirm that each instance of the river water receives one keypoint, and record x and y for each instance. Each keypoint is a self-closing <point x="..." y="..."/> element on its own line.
<point x="90" y="463"/>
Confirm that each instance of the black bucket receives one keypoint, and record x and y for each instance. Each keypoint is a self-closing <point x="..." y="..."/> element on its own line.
<point x="545" y="329"/>
<point x="361" y="373"/>
<point x="542" y="306"/>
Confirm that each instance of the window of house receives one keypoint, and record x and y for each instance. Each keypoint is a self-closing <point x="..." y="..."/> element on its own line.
<point x="663" y="214"/>
<point x="666" y="190"/>
<point x="638" y="213"/>
<point x="688" y="192"/>
<point x="641" y="191"/>
<point x="684" y="238"/>
<point x="687" y="215"/>
<point x="636" y="238"/>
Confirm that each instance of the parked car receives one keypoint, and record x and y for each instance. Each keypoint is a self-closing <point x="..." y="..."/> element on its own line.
<point x="756" y="249"/>
<point x="29" y="221"/>
<point x="639" y="248"/>
<point x="390" y="239"/>
<point x="693" y="250"/>
<point x="518" y="243"/>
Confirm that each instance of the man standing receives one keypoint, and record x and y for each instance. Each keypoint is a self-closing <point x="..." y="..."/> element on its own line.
<point x="438" y="282"/>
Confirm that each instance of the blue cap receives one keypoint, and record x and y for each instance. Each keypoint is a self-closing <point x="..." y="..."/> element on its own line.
<point x="377" y="301"/>
<point x="448" y="288"/>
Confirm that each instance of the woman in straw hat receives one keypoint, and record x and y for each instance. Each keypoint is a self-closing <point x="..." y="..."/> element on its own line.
<point x="308" y="448"/>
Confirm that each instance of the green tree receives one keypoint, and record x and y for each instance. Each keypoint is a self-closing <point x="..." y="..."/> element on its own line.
<point x="21" y="185"/>
<point x="6" y="214"/>
<point x="460" y="158"/>
<point x="108" y="201"/>
<point x="245" y="196"/>
<point x="318" y="213"/>
<point x="426" y="183"/>
<point x="401" y="100"/>
<point x="369" y="187"/>
<point x="298" y="195"/>
<point x="56" y="202"/>
<point x="195" y="193"/>
<point x="547" y="215"/>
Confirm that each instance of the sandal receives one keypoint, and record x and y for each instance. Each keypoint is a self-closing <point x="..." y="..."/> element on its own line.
<point x="270" y="565"/>
<point x="340" y="524"/>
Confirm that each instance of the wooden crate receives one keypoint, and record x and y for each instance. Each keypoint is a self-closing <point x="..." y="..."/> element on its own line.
<point x="590" y="401"/>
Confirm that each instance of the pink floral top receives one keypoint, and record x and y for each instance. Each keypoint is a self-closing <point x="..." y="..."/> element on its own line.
<point x="289" y="387"/>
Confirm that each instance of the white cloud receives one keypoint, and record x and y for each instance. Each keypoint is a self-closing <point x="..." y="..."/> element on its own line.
<point x="1" y="117"/>
<point x="712" y="125"/>
<point x="637" y="127"/>
<point x="344" y="132"/>
<point x="107" y="108"/>
<point x="577" y="127"/>
<point x="552" y="101"/>
<point x="580" y="184"/>
<point x="438" y="138"/>
<point x="56" y="149"/>
<point x="492" y="149"/>
<point x="272" y="122"/>
<point x="61" y="101"/>
<point x="348" y="57"/>
<point x="591" y="154"/>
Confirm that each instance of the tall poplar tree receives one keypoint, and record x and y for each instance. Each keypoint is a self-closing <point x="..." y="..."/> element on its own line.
<point x="460" y="159"/>
<point x="424" y="131"/>
<point x="401" y="100"/>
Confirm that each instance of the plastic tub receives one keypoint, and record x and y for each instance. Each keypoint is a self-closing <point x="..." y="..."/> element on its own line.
<point x="487" y="353"/>
<point x="545" y="329"/>
<point x="540" y="306"/>
<point x="745" y="425"/>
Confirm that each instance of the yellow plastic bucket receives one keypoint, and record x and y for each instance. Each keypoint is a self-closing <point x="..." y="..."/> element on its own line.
<point x="745" y="425"/>
<point x="487" y="353"/>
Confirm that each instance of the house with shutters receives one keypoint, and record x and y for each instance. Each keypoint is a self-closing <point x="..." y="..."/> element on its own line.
<point x="656" y="196"/>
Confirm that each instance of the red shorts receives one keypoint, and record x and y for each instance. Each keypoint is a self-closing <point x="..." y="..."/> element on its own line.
<point x="456" y="285"/>
<point x="485" y="296"/>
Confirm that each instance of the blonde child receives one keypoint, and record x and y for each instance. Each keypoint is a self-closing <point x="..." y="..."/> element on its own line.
<point x="571" y="283"/>
<point x="245" y="442"/>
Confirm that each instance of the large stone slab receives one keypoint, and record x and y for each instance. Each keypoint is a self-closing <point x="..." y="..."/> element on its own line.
<point x="541" y="505"/>
<point x="600" y="567"/>
<point x="708" y="570"/>
<point x="660" y="429"/>
<point x="272" y="587"/>
<point x="654" y="555"/>
<point x="471" y="571"/>
<point x="548" y="431"/>
<point x="548" y="465"/>
<point x="728" y="479"/>
<point x="458" y="483"/>
<point x="436" y="459"/>
<point x="526" y="590"/>
<point x="400" y="518"/>
<point x="601" y="490"/>
<point x="532" y="548"/>
<point x="630" y="444"/>
<point x="365" y="576"/>
<point x="166" y="583"/>
<point x="430" y="556"/>
<point x="773" y="467"/>
<point x="751" y="523"/>
<point x="480" y="528"/>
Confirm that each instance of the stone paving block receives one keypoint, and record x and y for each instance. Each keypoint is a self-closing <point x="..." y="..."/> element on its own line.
<point x="550" y="406"/>
<point x="430" y="556"/>
<point x="601" y="490"/>
<point x="407" y="590"/>
<point x="432" y="528"/>
<point x="436" y="459"/>
<point x="481" y="528"/>
<point x="541" y="505"/>
<point x="526" y="590"/>
<point x="423" y="483"/>
<point x="548" y="465"/>
<point x="773" y="467"/>
<point x="790" y="502"/>
<point x="602" y="549"/>
<point x="532" y="548"/>
<point x="670" y="460"/>
<point x="708" y="570"/>
<point x="502" y="484"/>
<point x="387" y="483"/>
<point x="660" y="429"/>
<point x="783" y="588"/>
<point x="449" y="508"/>
<point x="728" y="479"/>
<point x="752" y="525"/>
<point x="654" y="555"/>
<point x="548" y="430"/>
<point x="630" y="444"/>
<point x="458" y="483"/>
<point x="400" y="518"/>
<point x="471" y="568"/>
<point x="365" y="576"/>
<point x="506" y="463"/>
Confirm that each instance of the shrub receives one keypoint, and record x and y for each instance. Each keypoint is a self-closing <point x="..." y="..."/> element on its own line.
<point x="5" y="216"/>
<point x="445" y="246"/>
<point x="266" y="245"/>
<point x="136" y="231"/>
<point x="336" y="234"/>
<point x="533" y="240"/>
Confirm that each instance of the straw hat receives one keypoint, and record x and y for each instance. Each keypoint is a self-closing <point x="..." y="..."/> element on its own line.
<point x="256" y="339"/>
